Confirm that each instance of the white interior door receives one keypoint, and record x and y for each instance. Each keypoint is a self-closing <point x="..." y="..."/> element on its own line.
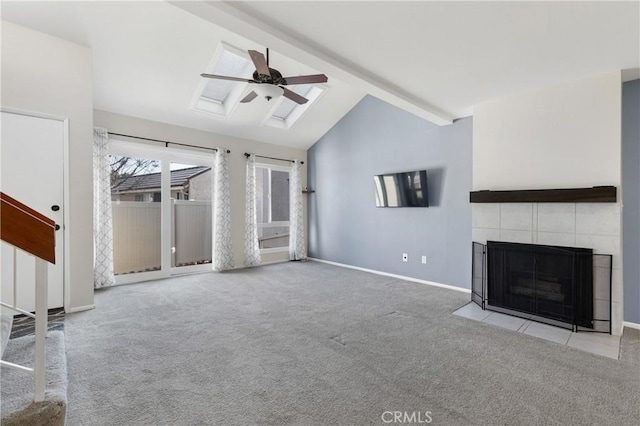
<point x="32" y="154"/>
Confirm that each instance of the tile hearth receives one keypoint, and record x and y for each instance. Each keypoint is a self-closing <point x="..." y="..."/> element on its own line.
<point x="595" y="343"/>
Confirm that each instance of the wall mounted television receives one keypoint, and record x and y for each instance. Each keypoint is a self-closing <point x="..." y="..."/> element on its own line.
<point x="406" y="189"/>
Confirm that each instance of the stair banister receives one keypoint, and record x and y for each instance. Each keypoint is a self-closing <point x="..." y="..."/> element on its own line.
<point x="34" y="233"/>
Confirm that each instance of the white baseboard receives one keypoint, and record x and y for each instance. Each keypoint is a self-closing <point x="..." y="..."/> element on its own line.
<point x="79" y="308"/>
<point x="631" y="325"/>
<point x="400" y="277"/>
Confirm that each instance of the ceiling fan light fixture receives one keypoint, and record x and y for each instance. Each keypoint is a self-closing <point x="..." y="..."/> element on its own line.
<point x="269" y="82"/>
<point x="268" y="91"/>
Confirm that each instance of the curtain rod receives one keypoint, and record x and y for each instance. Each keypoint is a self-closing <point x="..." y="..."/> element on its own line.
<point x="166" y="143"/>
<point x="246" y="154"/>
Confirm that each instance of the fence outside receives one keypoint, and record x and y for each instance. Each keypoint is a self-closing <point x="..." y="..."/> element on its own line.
<point x="137" y="235"/>
<point x="191" y="232"/>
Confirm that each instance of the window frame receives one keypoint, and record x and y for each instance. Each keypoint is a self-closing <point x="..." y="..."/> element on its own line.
<point x="166" y="155"/>
<point x="270" y="223"/>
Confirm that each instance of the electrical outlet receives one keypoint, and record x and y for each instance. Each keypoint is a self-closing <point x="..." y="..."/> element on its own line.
<point x="405" y="257"/>
<point x="424" y="259"/>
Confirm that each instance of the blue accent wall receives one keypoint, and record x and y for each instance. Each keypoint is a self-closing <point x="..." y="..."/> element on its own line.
<point x="346" y="227"/>
<point x="631" y="199"/>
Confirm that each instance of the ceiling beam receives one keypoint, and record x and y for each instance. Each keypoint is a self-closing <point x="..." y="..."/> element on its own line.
<point x="297" y="47"/>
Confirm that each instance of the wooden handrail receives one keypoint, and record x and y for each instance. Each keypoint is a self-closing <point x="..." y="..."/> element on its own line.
<point x="25" y="228"/>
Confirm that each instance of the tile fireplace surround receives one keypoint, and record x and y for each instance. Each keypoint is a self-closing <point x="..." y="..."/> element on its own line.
<point x="589" y="225"/>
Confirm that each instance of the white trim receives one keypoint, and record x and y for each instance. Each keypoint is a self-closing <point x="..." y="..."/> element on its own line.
<point x="165" y="217"/>
<point x="276" y="167"/>
<point x="139" y="277"/>
<point x="400" y="277"/>
<point x="630" y="325"/>
<point x="274" y="250"/>
<point x="191" y="269"/>
<point x="36" y="114"/>
<point x="277" y="224"/>
<point x="80" y="308"/>
<point x="66" y="218"/>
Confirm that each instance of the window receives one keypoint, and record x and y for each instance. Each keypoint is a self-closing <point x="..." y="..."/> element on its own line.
<point x="272" y="206"/>
<point x="287" y="105"/>
<point x="288" y="112"/>
<point x="222" y="96"/>
<point x="169" y="231"/>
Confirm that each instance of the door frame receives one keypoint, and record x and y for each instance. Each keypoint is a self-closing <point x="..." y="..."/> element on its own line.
<point x="66" y="250"/>
<point x="166" y="155"/>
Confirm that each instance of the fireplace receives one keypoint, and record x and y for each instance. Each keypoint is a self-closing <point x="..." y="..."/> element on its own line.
<point x="550" y="284"/>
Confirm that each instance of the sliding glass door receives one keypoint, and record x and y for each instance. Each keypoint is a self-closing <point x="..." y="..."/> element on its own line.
<point x="162" y="212"/>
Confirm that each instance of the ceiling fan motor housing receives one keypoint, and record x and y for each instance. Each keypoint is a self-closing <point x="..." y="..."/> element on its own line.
<point x="274" y="78"/>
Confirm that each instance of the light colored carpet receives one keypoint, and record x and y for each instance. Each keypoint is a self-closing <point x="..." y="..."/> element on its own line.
<point x="314" y="344"/>
<point x="18" y="408"/>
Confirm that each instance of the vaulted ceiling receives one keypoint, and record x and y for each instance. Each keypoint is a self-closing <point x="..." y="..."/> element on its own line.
<point x="434" y="59"/>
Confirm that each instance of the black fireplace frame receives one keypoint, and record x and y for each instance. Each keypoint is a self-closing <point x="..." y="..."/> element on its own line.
<point x="603" y="324"/>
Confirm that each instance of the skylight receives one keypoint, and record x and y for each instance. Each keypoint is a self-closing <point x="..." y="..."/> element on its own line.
<point x="222" y="96"/>
<point x="288" y="112"/>
<point x="287" y="105"/>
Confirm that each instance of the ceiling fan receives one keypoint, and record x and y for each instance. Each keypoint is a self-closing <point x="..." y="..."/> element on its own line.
<point x="270" y="76"/>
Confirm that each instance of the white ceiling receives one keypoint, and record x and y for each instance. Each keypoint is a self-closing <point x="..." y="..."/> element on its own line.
<point x="148" y="57"/>
<point x="434" y="59"/>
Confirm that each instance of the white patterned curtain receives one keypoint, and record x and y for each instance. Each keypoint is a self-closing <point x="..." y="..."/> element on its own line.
<point x="297" y="247"/>
<point x="251" y="244"/>
<point x="102" y="218"/>
<point x="222" y="249"/>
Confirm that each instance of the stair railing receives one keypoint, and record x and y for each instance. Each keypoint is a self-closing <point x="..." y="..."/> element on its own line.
<point x="34" y="233"/>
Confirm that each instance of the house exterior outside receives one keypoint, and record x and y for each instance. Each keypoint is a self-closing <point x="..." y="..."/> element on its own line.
<point x="193" y="183"/>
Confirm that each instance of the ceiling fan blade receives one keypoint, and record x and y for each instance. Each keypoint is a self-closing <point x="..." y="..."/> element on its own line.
<point x="294" y="96"/>
<point x="260" y="62"/>
<point x="224" y="77"/>
<point x="306" y="79"/>
<point x="251" y="96"/>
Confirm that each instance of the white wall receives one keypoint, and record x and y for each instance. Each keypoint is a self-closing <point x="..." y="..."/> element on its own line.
<point x="237" y="164"/>
<point x="562" y="136"/>
<point x="45" y="74"/>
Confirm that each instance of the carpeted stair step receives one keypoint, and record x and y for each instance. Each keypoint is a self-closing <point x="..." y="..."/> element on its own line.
<point x="17" y="388"/>
<point x="6" y="321"/>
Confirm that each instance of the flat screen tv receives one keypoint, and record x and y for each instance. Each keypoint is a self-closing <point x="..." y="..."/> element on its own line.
<point x="406" y="189"/>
